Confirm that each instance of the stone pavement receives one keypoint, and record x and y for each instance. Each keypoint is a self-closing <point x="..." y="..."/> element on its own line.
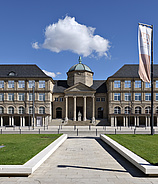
<point x="84" y="160"/>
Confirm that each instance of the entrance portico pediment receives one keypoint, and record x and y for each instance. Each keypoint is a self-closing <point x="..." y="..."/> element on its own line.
<point x="79" y="87"/>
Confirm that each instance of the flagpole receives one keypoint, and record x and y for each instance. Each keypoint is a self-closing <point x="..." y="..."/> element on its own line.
<point x="152" y="93"/>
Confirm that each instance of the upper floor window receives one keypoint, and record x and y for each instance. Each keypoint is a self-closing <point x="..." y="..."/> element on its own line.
<point x="127" y="110"/>
<point x="97" y="99"/>
<point x="21" y="110"/>
<point x="41" y="97"/>
<point x="56" y="99"/>
<point x="30" y="97"/>
<point x="147" y="96"/>
<point x="156" y="83"/>
<point x="127" y="96"/>
<point x="1" y="110"/>
<point x="41" y="84"/>
<point x="138" y="84"/>
<point x="138" y="110"/>
<point x="31" y="83"/>
<point x="127" y="84"/>
<point x="21" y="96"/>
<point x="102" y="99"/>
<point x="31" y="110"/>
<point x="137" y="96"/>
<point x="117" y="97"/>
<point x="10" y="84"/>
<point x="156" y="96"/>
<point x="117" y="110"/>
<point x="61" y="99"/>
<point x="21" y="84"/>
<point x="117" y="84"/>
<point x="41" y="110"/>
<point x="11" y="96"/>
<point x="11" y="73"/>
<point x="147" y="85"/>
<point x="147" y="110"/>
<point x="1" y="84"/>
<point x="1" y="97"/>
<point x="10" y="110"/>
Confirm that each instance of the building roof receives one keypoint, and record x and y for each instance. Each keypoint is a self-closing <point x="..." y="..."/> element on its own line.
<point x="80" y="67"/>
<point x="98" y="85"/>
<point x="131" y="71"/>
<point x="22" y="71"/>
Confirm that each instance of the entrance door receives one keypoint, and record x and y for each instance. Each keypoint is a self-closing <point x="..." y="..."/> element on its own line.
<point x="79" y="109"/>
<point x="39" y="121"/>
<point x="100" y="113"/>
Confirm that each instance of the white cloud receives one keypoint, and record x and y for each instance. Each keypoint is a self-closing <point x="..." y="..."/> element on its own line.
<point x="35" y="45"/>
<point x="51" y="74"/>
<point x="67" y="34"/>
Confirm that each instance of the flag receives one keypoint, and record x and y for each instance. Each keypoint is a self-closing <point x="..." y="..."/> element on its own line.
<point x="144" y="44"/>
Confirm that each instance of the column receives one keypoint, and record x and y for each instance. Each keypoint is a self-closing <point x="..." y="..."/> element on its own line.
<point x="23" y="121"/>
<point x="115" y="124"/>
<point x="74" y="108"/>
<point x="43" y="121"/>
<point x="66" y="109"/>
<point x="12" y="120"/>
<point x="1" y="121"/>
<point x="124" y="121"/>
<point x="138" y="121"/>
<point x="135" y="120"/>
<point x="112" y="121"/>
<point x="84" y="113"/>
<point x="93" y="109"/>
<point x="146" y="121"/>
<point x="149" y="121"/>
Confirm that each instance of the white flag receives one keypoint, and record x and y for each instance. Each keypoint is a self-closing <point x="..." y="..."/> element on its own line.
<point x="144" y="43"/>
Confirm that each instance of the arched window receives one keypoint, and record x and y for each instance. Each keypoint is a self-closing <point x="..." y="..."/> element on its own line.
<point x="127" y="110"/>
<point x="147" y="110"/>
<point x="31" y="110"/>
<point x="21" y="110"/>
<point x="138" y="110"/>
<point x="156" y="110"/>
<point x="117" y="110"/>
<point x="41" y="110"/>
<point x="10" y="110"/>
<point x="100" y="112"/>
<point x="1" y="110"/>
<point x="58" y="112"/>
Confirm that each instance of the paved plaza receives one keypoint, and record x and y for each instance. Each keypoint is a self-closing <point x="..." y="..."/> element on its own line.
<point x="84" y="160"/>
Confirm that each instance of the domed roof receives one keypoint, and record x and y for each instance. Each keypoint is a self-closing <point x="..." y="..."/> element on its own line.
<point x="80" y="67"/>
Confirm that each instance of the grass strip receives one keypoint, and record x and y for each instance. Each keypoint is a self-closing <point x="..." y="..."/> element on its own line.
<point x="19" y="148"/>
<point x="146" y="146"/>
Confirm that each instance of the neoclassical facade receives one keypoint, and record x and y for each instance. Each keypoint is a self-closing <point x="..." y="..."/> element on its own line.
<point x="28" y="97"/>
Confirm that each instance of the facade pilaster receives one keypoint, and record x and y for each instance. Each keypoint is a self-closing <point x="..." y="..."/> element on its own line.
<point x="84" y="114"/>
<point x="93" y="109"/>
<point x="66" y="108"/>
<point x="74" y="108"/>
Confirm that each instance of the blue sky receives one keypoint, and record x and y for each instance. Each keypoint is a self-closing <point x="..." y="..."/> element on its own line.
<point x="23" y="23"/>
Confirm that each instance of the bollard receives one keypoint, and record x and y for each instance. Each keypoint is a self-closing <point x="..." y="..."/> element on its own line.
<point x="1" y="131"/>
<point x="20" y="131"/>
<point x="39" y="131"/>
<point x="89" y="127"/>
<point x="134" y="131"/>
<point x="96" y="132"/>
<point x="74" y="127"/>
<point x="77" y="131"/>
<point x="58" y="131"/>
<point x="115" y="130"/>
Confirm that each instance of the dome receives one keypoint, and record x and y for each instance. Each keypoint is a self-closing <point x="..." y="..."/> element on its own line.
<point x="80" y="67"/>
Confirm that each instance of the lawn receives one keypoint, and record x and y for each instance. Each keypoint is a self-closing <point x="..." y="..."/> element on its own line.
<point x="21" y="148"/>
<point x="146" y="146"/>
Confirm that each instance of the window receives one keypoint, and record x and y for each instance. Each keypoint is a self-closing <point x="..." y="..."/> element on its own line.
<point x="30" y="97"/>
<point x="103" y="99"/>
<point x="21" y="110"/>
<point x="156" y="96"/>
<point x="156" y="110"/>
<point x="11" y="96"/>
<point x="147" y="96"/>
<point x="127" y="84"/>
<point x="117" y="84"/>
<point x="41" y="110"/>
<point x="1" y="110"/>
<point x="56" y="99"/>
<point x="97" y="99"/>
<point x="31" y="83"/>
<point x="41" y="84"/>
<point x="21" y="84"/>
<point x="117" y="110"/>
<point x="30" y="110"/>
<point x="41" y="97"/>
<point x="138" y="84"/>
<point x="61" y="99"/>
<point x="156" y="83"/>
<point x="138" y="110"/>
<point x="12" y="74"/>
<point x="137" y="96"/>
<point x="147" y="110"/>
<point x="117" y="97"/>
<point x="21" y="96"/>
<point x="127" y="110"/>
<point x="10" y="84"/>
<point x="10" y="110"/>
<point x="1" y="84"/>
<point x="147" y="85"/>
<point x="1" y="97"/>
<point x="127" y="96"/>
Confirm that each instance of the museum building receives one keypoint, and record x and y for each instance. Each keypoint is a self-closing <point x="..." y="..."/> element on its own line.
<point x="28" y="97"/>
